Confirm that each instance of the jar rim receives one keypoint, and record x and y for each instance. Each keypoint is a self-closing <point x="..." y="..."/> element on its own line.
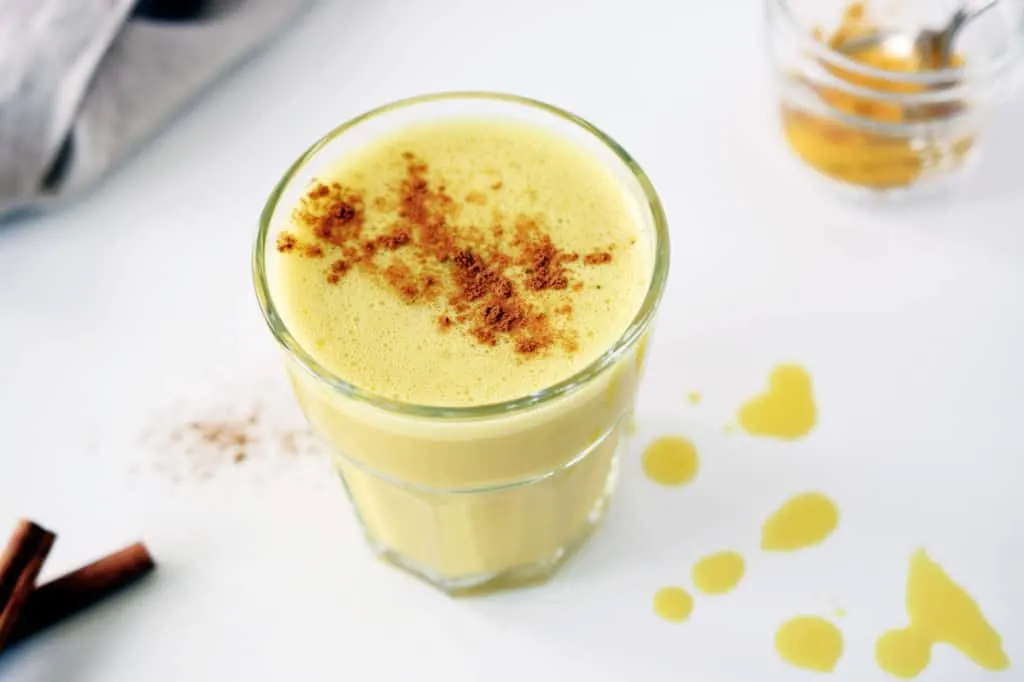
<point x="631" y="335"/>
<point x="972" y="72"/>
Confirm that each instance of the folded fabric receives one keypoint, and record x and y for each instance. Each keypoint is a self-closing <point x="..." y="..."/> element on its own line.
<point x="83" y="82"/>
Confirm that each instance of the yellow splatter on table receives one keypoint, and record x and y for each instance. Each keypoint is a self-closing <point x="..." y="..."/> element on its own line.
<point x="786" y="410"/>
<point x="718" y="573"/>
<point x="802" y="521"/>
<point x="670" y="460"/>
<point x="940" y="611"/>
<point x="810" y="643"/>
<point x="674" y="604"/>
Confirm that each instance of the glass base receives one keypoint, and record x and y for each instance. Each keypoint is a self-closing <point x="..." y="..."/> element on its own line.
<point x="528" y="575"/>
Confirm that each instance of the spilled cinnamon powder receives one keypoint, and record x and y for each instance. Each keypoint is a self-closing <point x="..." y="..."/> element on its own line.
<point x="227" y="436"/>
<point x="198" y="443"/>
<point x="494" y="283"/>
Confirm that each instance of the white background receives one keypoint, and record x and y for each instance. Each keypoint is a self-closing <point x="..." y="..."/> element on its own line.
<point x="132" y="310"/>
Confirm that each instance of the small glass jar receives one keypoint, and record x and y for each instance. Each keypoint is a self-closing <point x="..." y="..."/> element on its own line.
<point x="877" y="115"/>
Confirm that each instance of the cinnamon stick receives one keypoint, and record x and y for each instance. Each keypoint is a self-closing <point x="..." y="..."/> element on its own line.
<point x="20" y="563"/>
<point x="80" y="589"/>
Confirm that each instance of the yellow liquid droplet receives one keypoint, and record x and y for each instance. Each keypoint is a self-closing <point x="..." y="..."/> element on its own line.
<point x="786" y="410"/>
<point x="673" y="604"/>
<point x="728" y="429"/>
<point x="802" y="521"/>
<point x="670" y="460"/>
<point x="693" y="398"/>
<point x="718" y="573"/>
<point x="810" y="643"/>
<point x="903" y="653"/>
<point x="940" y="611"/>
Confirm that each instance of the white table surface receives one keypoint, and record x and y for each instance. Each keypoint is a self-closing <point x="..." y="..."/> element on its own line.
<point x="132" y="310"/>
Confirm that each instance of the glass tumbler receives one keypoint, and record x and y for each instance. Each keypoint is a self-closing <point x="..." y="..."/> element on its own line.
<point x="485" y="496"/>
<point x="885" y="117"/>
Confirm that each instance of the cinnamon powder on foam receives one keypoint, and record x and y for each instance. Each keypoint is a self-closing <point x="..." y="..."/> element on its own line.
<point x="488" y="284"/>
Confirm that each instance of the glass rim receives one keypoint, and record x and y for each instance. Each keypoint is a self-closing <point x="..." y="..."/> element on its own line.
<point x="633" y="332"/>
<point x="950" y="77"/>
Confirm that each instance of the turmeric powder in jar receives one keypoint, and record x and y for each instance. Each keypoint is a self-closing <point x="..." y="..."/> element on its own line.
<point x="861" y="104"/>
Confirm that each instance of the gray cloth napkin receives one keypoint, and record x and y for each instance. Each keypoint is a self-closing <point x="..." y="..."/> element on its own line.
<point x="83" y="82"/>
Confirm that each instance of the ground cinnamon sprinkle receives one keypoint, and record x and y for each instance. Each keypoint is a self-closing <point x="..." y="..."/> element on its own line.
<point x="198" y="442"/>
<point x="544" y="265"/>
<point x="415" y="192"/>
<point x="527" y="346"/>
<point x="334" y="213"/>
<point x="473" y="277"/>
<point x="402" y="279"/>
<point x="286" y="242"/>
<point x="224" y="434"/>
<point x="337" y="269"/>
<point x="345" y="212"/>
<point x="497" y="287"/>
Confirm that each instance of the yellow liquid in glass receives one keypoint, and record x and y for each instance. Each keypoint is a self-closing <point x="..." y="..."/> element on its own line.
<point x="467" y="499"/>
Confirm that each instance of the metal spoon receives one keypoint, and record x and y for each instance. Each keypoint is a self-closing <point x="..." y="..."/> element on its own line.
<point x="937" y="45"/>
